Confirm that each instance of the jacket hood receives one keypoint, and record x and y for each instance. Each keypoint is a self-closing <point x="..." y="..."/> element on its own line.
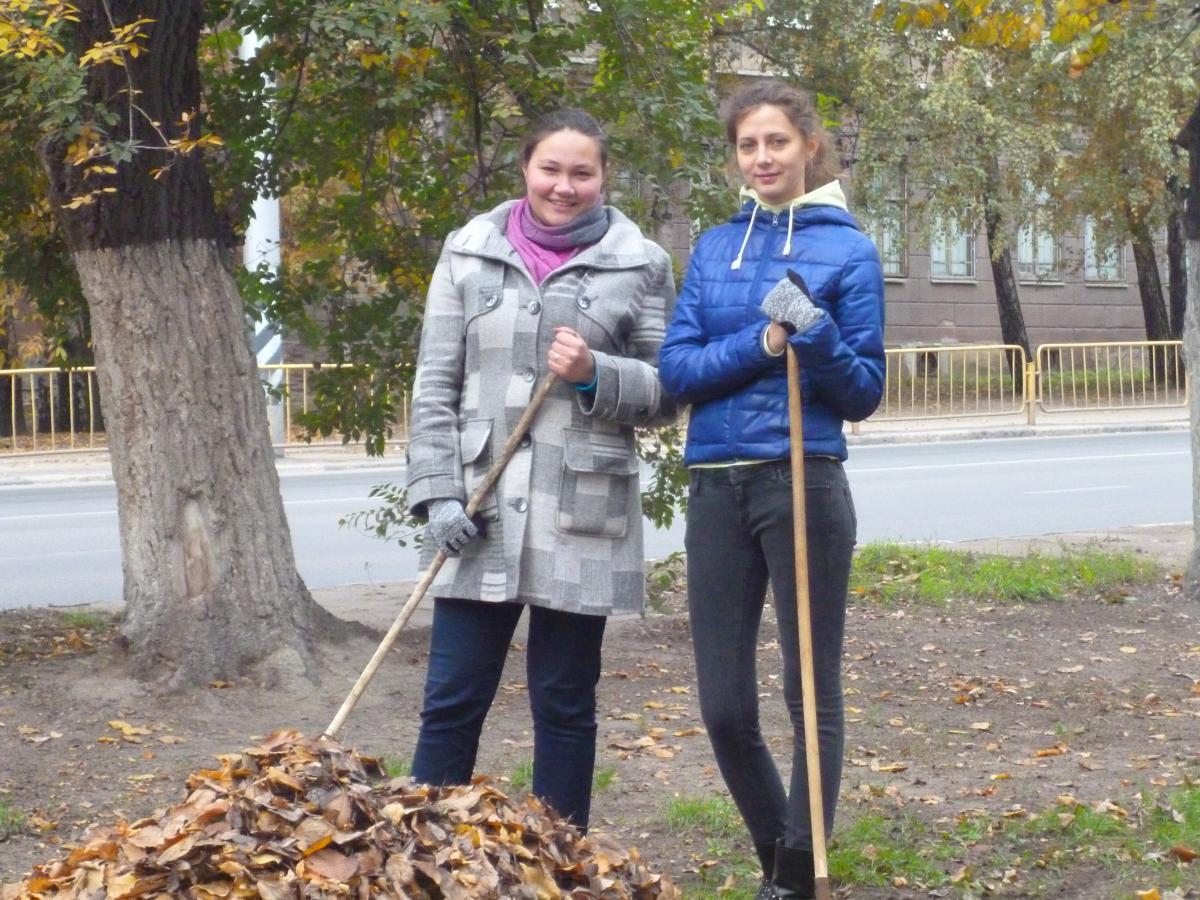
<point x="826" y="195"/>
<point x="825" y="205"/>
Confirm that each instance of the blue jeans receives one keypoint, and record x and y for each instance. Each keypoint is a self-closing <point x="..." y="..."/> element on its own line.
<point x="739" y="537"/>
<point x="467" y="646"/>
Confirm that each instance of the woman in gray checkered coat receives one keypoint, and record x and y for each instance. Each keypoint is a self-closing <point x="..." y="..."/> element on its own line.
<point x="553" y="282"/>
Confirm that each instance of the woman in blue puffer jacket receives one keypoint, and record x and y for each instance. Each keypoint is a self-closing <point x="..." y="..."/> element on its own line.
<point x="724" y="354"/>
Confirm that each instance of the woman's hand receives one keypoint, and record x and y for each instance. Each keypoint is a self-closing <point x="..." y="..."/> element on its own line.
<point x="777" y="337"/>
<point x="569" y="357"/>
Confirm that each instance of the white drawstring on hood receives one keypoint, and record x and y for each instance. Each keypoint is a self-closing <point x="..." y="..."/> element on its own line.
<point x="737" y="263"/>
<point x="827" y="195"/>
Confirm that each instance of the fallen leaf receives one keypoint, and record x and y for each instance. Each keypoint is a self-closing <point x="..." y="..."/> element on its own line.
<point x="1183" y="854"/>
<point x="1056" y="750"/>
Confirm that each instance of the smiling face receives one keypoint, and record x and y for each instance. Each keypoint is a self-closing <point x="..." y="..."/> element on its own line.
<point x="772" y="154"/>
<point x="564" y="176"/>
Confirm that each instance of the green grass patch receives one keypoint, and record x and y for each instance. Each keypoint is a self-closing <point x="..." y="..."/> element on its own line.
<point x="1134" y="844"/>
<point x="1174" y="820"/>
<point x="602" y="779"/>
<point x="12" y="821"/>
<point x="891" y="573"/>
<point x="84" y="621"/>
<point x="878" y="848"/>
<point x="728" y="871"/>
<point x="712" y="816"/>
<point x="521" y="777"/>
<point x="396" y="766"/>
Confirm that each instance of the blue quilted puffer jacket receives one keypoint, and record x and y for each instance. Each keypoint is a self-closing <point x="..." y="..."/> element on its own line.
<point x="713" y="356"/>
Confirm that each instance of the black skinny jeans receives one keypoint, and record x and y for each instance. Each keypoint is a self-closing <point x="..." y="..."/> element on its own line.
<point x="739" y="536"/>
<point x="467" y="648"/>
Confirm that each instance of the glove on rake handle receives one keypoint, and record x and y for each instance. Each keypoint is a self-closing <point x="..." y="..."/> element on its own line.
<point x="481" y="491"/>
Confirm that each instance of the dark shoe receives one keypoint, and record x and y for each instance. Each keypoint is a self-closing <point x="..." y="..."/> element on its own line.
<point x="794" y="876"/>
<point x="766" y="891"/>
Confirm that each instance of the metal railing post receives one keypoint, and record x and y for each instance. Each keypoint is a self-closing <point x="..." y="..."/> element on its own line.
<point x="1031" y="380"/>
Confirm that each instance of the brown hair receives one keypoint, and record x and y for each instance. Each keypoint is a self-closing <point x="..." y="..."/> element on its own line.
<point x="567" y="119"/>
<point x="798" y="106"/>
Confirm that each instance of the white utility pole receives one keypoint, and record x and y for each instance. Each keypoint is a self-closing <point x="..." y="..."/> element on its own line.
<point x="262" y="245"/>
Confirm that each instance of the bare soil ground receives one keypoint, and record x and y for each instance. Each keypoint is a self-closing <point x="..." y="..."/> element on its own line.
<point x="976" y="708"/>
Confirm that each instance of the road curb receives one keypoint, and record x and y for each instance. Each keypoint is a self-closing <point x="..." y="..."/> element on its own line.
<point x="1009" y="431"/>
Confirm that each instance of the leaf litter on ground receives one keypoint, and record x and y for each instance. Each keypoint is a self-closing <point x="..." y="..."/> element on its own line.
<point x="299" y="817"/>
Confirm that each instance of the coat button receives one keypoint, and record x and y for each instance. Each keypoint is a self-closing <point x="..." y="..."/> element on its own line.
<point x="520" y="506"/>
<point x="585" y="302"/>
<point x="530" y="374"/>
<point x="535" y="308"/>
<point x="526" y="442"/>
<point x="490" y="300"/>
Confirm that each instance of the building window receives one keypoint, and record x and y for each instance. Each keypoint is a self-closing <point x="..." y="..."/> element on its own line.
<point x="1037" y="245"/>
<point x="951" y="250"/>
<point x="1103" y="260"/>
<point x="886" y="223"/>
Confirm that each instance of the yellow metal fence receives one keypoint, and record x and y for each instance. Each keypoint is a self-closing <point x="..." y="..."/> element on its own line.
<point x="51" y="410"/>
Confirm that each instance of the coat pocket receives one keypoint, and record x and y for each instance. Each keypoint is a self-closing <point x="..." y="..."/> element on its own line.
<point x="599" y="471"/>
<point x="475" y="444"/>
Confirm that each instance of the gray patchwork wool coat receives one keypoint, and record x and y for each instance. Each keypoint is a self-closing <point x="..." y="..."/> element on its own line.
<point x="564" y="522"/>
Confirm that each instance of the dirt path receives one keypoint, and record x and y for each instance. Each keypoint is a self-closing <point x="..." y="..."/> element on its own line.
<point x="976" y="709"/>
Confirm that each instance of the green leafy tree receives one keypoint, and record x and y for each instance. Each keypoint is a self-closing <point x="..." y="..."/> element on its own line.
<point x="384" y="124"/>
<point x="114" y="86"/>
<point x="1082" y="32"/>
<point x="388" y="123"/>
<point x="394" y="121"/>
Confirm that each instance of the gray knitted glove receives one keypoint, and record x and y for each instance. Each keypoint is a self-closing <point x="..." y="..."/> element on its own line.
<point x="788" y="303"/>
<point x="449" y="528"/>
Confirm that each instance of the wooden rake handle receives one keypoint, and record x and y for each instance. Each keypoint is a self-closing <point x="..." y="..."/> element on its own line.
<point x="406" y="611"/>
<point x="808" y="681"/>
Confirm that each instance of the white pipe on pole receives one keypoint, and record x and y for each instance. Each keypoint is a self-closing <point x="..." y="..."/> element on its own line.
<point x="262" y="246"/>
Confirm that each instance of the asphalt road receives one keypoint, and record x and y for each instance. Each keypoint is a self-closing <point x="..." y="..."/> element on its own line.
<point x="59" y="542"/>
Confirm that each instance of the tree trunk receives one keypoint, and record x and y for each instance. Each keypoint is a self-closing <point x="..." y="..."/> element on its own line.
<point x="1008" y="298"/>
<point x="210" y="582"/>
<point x="1191" y="362"/>
<point x="1189" y="139"/>
<point x="1154" y="307"/>
<point x="1177" y="289"/>
<point x="12" y="407"/>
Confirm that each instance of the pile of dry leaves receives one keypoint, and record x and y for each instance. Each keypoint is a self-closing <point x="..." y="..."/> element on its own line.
<point x="299" y="817"/>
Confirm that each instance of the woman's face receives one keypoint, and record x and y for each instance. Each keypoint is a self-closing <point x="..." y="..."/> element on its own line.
<point x="772" y="154"/>
<point x="564" y="176"/>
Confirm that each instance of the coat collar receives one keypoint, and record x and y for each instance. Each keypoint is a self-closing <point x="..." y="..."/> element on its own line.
<point x="622" y="246"/>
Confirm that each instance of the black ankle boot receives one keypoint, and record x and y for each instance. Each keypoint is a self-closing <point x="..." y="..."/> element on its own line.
<point x="766" y="858"/>
<point x="794" y="876"/>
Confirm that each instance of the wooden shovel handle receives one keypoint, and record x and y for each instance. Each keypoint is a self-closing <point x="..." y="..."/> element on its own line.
<point x="477" y="497"/>
<point x="808" y="686"/>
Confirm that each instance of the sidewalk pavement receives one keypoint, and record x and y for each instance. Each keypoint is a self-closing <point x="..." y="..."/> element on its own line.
<point x="82" y="467"/>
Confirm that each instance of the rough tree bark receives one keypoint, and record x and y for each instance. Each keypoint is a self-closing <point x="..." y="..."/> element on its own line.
<point x="1150" y="289"/>
<point x="1176" y="258"/>
<point x="1008" y="298"/>
<point x="210" y="582"/>
<point x="1189" y="139"/>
